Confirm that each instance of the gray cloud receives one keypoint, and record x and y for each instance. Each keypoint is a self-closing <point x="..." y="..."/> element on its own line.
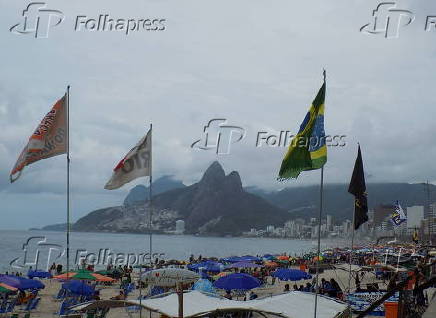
<point x="256" y="63"/>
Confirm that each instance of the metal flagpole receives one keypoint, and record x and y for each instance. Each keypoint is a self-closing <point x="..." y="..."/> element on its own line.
<point x="352" y="244"/>
<point x="150" y="199"/>
<point x="68" y="179"/>
<point x="352" y="250"/>
<point x="150" y="195"/>
<point x="319" y="240"/>
<point x="321" y="189"/>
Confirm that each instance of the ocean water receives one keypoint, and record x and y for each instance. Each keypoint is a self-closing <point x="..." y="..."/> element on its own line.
<point x="21" y="249"/>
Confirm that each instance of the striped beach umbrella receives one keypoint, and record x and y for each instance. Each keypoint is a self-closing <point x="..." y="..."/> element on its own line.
<point x="84" y="275"/>
<point x="4" y="288"/>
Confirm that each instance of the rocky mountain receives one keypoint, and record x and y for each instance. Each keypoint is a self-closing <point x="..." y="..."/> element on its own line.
<point x="216" y="205"/>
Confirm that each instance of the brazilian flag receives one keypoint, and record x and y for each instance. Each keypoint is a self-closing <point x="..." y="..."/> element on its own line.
<point x="308" y="150"/>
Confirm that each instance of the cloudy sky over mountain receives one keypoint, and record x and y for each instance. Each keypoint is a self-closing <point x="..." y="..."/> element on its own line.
<point x="257" y="64"/>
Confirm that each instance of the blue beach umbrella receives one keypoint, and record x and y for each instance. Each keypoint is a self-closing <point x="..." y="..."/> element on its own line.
<point x="21" y="283"/>
<point x="238" y="281"/>
<point x="78" y="287"/>
<point x="290" y="274"/>
<point x="243" y="264"/>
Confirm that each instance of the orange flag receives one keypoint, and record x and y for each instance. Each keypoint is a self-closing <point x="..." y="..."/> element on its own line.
<point x="49" y="139"/>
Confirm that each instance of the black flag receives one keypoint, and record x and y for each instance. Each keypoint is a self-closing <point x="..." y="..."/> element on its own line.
<point x="358" y="189"/>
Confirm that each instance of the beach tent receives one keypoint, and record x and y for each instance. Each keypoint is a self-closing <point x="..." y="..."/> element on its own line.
<point x="21" y="283"/>
<point x="289" y="305"/>
<point x="205" y="286"/>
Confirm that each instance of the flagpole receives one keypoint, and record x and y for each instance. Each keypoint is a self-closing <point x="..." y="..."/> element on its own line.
<point x="321" y="190"/>
<point x="150" y="195"/>
<point x="352" y="241"/>
<point x="352" y="249"/>
<point x="319" y="240"/>
<point x="151" y="200"/>
<point x="68" y="179"/>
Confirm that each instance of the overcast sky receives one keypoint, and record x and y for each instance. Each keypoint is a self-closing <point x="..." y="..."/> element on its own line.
<point x="257" y="64"/>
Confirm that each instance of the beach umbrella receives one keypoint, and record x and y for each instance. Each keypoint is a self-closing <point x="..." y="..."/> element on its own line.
<point x="222" y="274"/>
<point x="78" y="287"/>
<point x="204" y="286"/>
<point x="169" y="277"/>
<point x="5" y="289"/>
<point x="318" y="258"/>
<point x="269" y="257"/>
<point x="38" y="274"/>
<point x="246" y="258"/>
<point x="84" y="275"/>
<point x="237" y="281"/>
<point x="283" y="257"/>
<point x="207" y="266"/>
<point x="290" y="274"/>
<point x="21" y="282"/>
<point x="271" y="264"/>
<point x="243" y="265"/>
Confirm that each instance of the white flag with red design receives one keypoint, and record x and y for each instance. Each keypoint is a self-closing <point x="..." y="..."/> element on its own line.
<point x="136" y="164"/>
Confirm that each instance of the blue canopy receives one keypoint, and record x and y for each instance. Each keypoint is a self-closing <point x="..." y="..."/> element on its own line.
<point x="207" y="266"/>
<point x="243" y="265"/>
<point x="290" y="274"/>
<point x="246" y="258"/>
<point x="205" y="286"/>
<point x="21" y="282"/>
<point x="78" y="287"/>
<point x="238" y="281"/>
<point x="39" y="274"/>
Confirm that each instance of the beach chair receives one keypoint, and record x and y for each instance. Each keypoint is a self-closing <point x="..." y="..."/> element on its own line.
<point x="64" y="308"/>
<point x="11" y="306"/>
<point x="61" y="294"/>
<point x="35" y="303"/>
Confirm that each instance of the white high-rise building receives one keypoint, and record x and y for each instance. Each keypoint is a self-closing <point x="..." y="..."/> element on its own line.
<point x="329" y="222"/>
<point x="180" y="227"/>
<point x="415" y="214"/>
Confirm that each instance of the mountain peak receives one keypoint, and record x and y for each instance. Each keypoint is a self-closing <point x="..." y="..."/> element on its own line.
<point x="215" y="172"/>
<point x="233" y="180"/>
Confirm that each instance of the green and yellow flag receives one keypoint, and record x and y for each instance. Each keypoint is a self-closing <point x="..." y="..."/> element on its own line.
<point x="308" y="150"/>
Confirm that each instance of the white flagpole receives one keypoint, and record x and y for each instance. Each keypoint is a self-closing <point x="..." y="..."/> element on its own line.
<point x="68" y="179"/>
<point x="150" y="194"/>
<point x="319" y="241"/>
<point x="321" y="190"/>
